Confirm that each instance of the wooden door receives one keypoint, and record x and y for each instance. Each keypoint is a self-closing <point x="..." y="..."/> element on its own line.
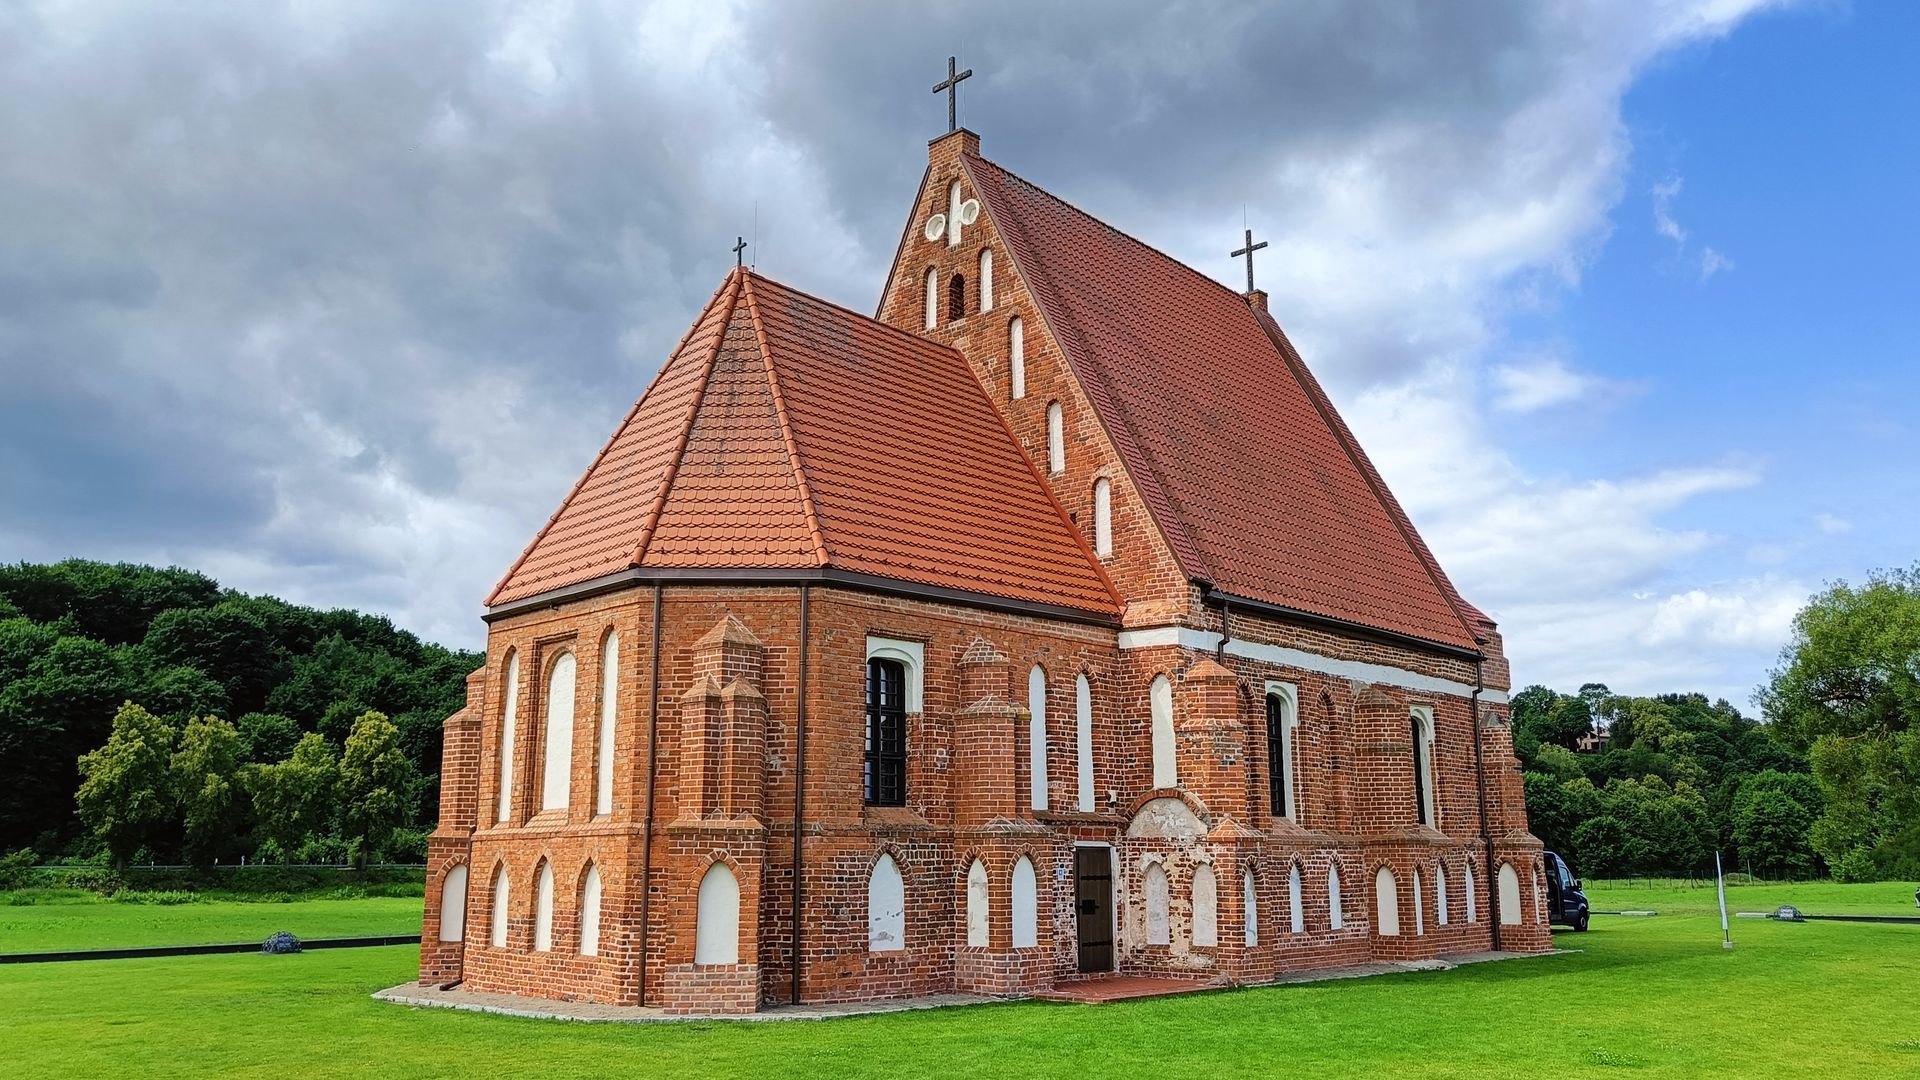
<point x="1093" y="906"/>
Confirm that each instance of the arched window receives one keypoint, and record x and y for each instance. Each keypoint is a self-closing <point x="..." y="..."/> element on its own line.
<point x="953" y="214"/>
<point x="609" y="713"/>
<point x="558" y="775"/>
<point x="1250" y="904"/>
<point x="1336" y="918"/>
<point x="1037" y="737"/>
<point x="1103" y="517"/>
<point x="1159" y="930"/>
<point x="886" y="907"/>
<point x="933" y="298"/>
<point x="1386" y="904"/>
<point x="1017" y="356"/>
<point x="977" y="905"/>
<point x="716" y="929"/>
<point x="497" y="919"/>
<point x="1056" y="439"/>
<point x="1160" y="702"/>
<point x="590" y="912"/>
<point x="886" y="749"/>
<point x="986" y="279"/>
<point x="453" y="904"/>
<point x="1026" y="905"/>
<point x="1473" y="902"/>
<point x="1419" y="907"/>
<point x="1420" y="726"/>
<point x="1510" y="914"/>
<point x="1206" y="907"/>
<point x="1281" y="714"/>
<point x="543" y="909"/>
<point x="1440" y="893"/>
<point x="508" y="715"/>
<point x="1083" y="740"/>
<point x="956" y="297"/>
<point x="1296" y="904"/>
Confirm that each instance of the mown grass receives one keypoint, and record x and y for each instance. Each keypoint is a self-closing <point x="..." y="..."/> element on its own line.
<point x="48" y="920"/>
<point x="1813" y="897"/>
<point x="1647" y="997"/>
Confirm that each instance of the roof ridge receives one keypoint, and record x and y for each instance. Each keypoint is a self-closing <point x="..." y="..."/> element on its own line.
<point x="732" y="286"/>
<point x="1122" y="233"/>
<point x="605" y="448"/>
<point x="786" y="427"/>
<point x="1184" y="548"/>
<point x="902" y="335"/>
<point x="1358" y="455"/>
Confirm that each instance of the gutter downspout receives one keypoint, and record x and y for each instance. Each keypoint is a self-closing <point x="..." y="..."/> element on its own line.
<point x="1486" y="834"/>
<point x="646" y="820"/>
<point x="799" y="789"/>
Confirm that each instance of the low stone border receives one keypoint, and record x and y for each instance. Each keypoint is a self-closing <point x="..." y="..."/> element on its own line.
<point x="586" y="1012"/>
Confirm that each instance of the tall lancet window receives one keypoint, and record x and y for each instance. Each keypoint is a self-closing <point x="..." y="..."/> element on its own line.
<point x="1160" y="704"/>
<point x="933" y="298"/>
<point x="1056" y="439"/>
<point x="1420" y="728"/>
<point x="1037" y="736"/>
<point x="609" y="712"/>
<point x="956" y="298"/>
<point x="557" y="775"/>
<point x="1103" y="517"/>
<point x="953" y="214"/>
<point x="986" y="279"/>
<point x="1017" y="356"/>
<point x="508" y="715"/>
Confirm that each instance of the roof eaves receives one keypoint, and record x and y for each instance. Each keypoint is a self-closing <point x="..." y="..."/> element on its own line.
<point x="1375" y="483"/>
<point x="786" y="428"/>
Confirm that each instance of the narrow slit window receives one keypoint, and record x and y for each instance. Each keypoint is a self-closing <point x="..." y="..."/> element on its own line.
<point x="1017" y="357"/>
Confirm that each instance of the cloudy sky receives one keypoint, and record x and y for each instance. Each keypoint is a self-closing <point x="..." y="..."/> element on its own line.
<point x="335" y="300"/>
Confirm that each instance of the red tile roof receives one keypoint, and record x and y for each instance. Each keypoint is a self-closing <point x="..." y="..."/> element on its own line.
<point x="1255" y="481"/>
<point x="789" y="432"/>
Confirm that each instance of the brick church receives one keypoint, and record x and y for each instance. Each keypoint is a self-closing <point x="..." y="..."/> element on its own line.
<point x="1047" y="623"/>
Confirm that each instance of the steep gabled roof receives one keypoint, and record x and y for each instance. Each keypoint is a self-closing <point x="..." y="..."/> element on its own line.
<point x="1253" y="478"/>
<point x="787" y="432"/>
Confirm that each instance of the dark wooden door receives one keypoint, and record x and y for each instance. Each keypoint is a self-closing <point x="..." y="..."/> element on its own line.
<point x="1093" y="906"/>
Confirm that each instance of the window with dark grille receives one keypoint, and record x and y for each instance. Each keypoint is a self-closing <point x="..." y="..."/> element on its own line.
<point x="1420" y="771"/>
<point x="886" y="757"/>
<point x="1279" y="798"/>
<point x="956" y="297"/>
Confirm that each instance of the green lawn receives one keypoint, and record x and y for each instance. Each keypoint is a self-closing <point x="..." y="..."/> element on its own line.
<point x="1814" y="898"/>
<point x="80" y="920"/>
<point x="1655" y="997"/>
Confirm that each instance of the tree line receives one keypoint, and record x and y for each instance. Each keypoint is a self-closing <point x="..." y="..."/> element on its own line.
<point x="1827" y="781"/>
<point x="150" y="714"/>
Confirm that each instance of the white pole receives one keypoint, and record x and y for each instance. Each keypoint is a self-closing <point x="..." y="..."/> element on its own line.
<point x="1720" y="884"/>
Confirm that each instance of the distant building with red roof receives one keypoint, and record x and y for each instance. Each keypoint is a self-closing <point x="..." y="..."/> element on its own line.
<point x="1047" y="624"/>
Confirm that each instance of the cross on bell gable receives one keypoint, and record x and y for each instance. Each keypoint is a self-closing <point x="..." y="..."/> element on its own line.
<point x="951" y="84"/>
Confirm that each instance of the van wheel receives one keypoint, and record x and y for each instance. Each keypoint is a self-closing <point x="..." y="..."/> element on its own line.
<point x="1580" y="923"/>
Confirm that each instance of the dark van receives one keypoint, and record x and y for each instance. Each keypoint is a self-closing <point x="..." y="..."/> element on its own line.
<point x="1566" y="904"/>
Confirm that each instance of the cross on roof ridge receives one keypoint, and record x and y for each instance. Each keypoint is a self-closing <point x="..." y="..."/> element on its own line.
<point x="1248" y="252"/>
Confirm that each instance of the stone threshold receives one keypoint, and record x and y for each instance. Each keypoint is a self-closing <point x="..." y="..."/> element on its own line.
<point x="588" y="1012"/>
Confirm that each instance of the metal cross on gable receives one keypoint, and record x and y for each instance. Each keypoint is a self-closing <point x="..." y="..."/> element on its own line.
<point x="739" y="245"/>
<point x="1248" y="252"/>
<point x="952" y="86"/>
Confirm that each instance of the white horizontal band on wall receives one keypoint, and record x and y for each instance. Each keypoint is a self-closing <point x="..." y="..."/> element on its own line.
<point x="1207" y="641"/>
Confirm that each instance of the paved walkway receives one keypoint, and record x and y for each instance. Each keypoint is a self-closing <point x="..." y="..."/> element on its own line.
<point x="1092" y="991"/>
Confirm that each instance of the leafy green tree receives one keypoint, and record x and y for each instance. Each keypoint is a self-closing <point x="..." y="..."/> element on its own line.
<point x="1772" y="831"/>
<point x="377" y="785"/>
<point x="266" y="737"/>
<point x="1558" y="762"/>
<point x="60" y="707"/>
<point x="205" y="776"/>
<point x="229" y="641"/>
<point x="1602" y="848"/>
<point x="126" y="795"/>
<point x="298" y="798"/>
<point x="1848" y="690"/>
<point x="111" y="603"/>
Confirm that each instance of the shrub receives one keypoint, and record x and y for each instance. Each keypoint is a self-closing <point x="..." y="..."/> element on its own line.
<point x="154" y="896"/>
<point x="1856" y="866"/>
<point x="16" y="870"/>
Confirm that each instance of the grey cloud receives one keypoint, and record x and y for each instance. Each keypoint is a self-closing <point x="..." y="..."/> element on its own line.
<point x="336" y="300"/>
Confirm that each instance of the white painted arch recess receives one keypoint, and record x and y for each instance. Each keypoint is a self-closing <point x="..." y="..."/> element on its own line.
<point x="716" y="929"/>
